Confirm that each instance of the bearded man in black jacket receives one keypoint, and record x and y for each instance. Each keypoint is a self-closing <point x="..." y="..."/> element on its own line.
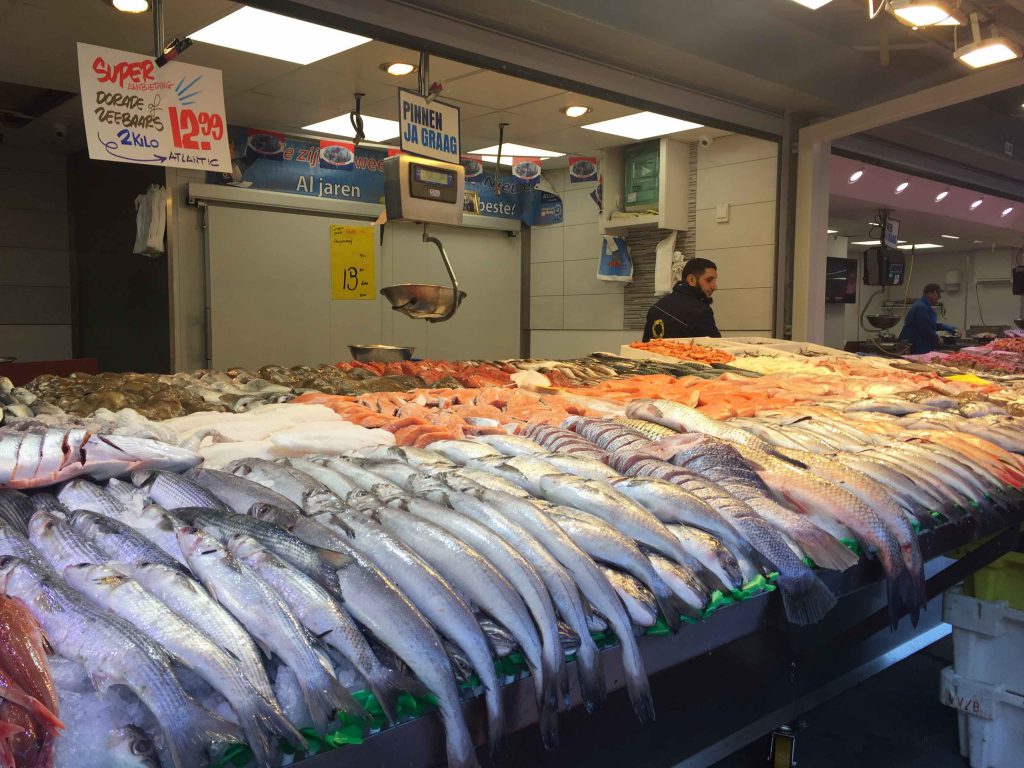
<point x="686" y="311"/>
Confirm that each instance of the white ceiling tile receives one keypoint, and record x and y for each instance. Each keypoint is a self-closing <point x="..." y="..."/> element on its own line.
<point x="491" y="89"/>
<point x="319" y="86"/>
<point x="243" y="71"/>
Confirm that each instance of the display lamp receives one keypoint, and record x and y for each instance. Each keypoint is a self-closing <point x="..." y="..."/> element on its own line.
<point x="926" y="13"/>
<point x="986" y="52"/>
<point x="902" y="187"/>
<point x="130" y="6"/>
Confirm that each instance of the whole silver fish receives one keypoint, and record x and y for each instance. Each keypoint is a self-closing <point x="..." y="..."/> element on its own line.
<point x="465" y="478"/>
<point x="714" y="556"/>
<point x="114" y="652"/>
<point x="511" y="445"/>
<point x="617" y="509"/>
<point x="13" y="544"/>
<point x="312" y="496"/>
<point x="472" y="576"/>
<point x="463" y="451"/>
<point x="580" y="465"/>
<point x="187" y="598"/>
<point x="376" y="603"/>
<point x="124" y="597"/>
<point x="524" y="471"/>
<point x="648" y="429"/>
<point x="238" y="492"/>
<point x="131" y="747"/>
<point x="158" y="525"/>
<point x="85" y="494"/>
<point x="269" y="620"/>
<point x="322" y="614"/>
<point x="684" y="583"/>
<point x="591" y="582"/>
<point x="117" y="540"/>
<point x="172" y="491"/>
<point x="429" y="592"/>
<point x="528" y="582"/>
<point x="607" y="544"/>
<point x="638" y="600"/>
<point x="564" y="594"/>
<point x="16" y="509"/>
<point x="319" y="564"/>
<point x="60" y="544"/>
<point x="354" y="473"/>
<point x="415" y="456"/>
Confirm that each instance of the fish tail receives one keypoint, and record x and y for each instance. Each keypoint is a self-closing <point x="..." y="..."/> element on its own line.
<point x="43" y="714"/>
<point x="588" y="667"/>
<point x="547" y="710"/>
<point x="188" y="746"/>
<point x="387" y="685"/>
<point x="271" y="719"/>
<point x="805" y="597"/>
<point x="671" y="606"/>
<point x="495" y="720"/>
<point x="637" y="684"/>
<point x="47" y="756"/>
<point x="458" y="742"/>
<point x="328" y="698"/>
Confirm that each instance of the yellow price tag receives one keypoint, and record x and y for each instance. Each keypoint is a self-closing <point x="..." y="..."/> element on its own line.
<point x="353" y="265"/>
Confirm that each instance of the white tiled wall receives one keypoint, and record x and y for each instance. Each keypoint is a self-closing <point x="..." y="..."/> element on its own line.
<point x="571" y="311"/>
<point x="35" y="301"/>
<point x="742" y="172"/>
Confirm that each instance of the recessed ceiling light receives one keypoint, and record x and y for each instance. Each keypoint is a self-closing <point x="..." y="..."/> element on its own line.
<point x="977" y="203"/>
<point x="941" y="196"/>
<point x="950" y="237"/>
<point x="276" y="36"/>
<point x="832" y="231"/>
<point x="919" y="246"/>
<point x="902" y="187"/>
<point x="856" y="176"/>
<point x="1006" y="212"/>
<point x="131" y="6"/>
<point x="508" y="151"/>
<point x="642" y="125"/>
<point x="813" y="4"/>
<point x="926" y="13"/>
<point x="374" y="128"/>
<point x="398" y="68"/>
<point x="577" y="110"/>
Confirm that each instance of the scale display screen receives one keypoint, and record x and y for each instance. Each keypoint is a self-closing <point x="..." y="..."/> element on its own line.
<point x="430" y="176"/>
<point x="428" y="183"/>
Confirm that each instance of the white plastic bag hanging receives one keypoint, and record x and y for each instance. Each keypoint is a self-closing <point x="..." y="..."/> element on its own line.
<point x="616" y="265"/>
<point x="663" y="264"/>
<point x="150" y="222"/>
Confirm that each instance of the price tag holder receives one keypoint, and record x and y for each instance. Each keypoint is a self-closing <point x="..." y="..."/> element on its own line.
<point x="137" y="112"/>
<point x="353" y="263"/>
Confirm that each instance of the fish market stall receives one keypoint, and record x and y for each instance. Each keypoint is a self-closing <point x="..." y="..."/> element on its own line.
<point x="315" y="560"/>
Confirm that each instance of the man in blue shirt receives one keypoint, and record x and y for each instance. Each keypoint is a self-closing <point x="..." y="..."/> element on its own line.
<point x="921" y="323"/>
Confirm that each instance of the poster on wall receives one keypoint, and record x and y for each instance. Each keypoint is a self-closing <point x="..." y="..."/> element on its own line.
<point x="137" y="112"/>
<point x="582" y="169"/>
<point x="527" y="170"/>
<point x="353" y="264"/>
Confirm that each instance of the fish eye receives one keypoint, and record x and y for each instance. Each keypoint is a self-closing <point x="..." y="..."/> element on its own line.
<point x="142" y="746"/>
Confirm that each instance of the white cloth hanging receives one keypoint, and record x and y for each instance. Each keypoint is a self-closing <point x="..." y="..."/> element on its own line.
<point x="150" y="222"/>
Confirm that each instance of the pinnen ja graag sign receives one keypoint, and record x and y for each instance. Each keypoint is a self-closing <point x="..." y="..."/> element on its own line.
<point x="429" y="129"/>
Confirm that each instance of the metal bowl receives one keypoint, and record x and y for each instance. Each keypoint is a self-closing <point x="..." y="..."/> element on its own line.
<point x="379" y="353"/>
<point x="423" y="302"/>
<point x="883" y="322"/>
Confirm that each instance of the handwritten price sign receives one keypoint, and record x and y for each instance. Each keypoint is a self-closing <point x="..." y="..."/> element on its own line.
<point x="136" y="112"/>
<point x="353" y="265"/>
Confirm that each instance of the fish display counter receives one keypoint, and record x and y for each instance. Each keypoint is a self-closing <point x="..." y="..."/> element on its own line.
<point x="427" y="561"/>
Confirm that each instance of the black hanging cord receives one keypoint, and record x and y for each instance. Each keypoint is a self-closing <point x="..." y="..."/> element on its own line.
<point x="497" y="160"/>
<point x="356" y="118"/>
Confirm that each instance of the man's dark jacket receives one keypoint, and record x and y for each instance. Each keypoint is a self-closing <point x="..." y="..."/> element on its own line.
<point x="683" y="313"/>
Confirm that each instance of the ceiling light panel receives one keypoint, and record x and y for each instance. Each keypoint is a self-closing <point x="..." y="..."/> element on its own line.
<point x="276" y="36"/>
<point x="642" y="125"/>
<point x="374" y="128"/>
<point x="950" y="237"/>
<point x="919" y="246"/>
<point x="510" y="150"/>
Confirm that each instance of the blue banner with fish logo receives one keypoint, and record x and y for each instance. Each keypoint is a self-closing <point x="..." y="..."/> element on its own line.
<point x="274" y="161"/>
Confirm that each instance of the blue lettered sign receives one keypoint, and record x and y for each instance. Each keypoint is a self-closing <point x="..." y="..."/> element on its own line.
<point x="429" y="129"/>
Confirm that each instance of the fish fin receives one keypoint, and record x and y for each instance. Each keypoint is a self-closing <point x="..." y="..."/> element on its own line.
<point x="388" y="684"/>
<point x="805" y="598"/>
<point x="638" y="685"/>
<point x="588" y="668"/>
<point x="495" y="722"/>
<point x="788" y="459"/>
<point x="331" y="697"/>
<point x="335" y="559"/>
<point x="828" y="552"/>
<point x="672" y="607"/>
<point x="271" y="719"/>
<point x="547" y="714"/>
<point x="188" y="745"/>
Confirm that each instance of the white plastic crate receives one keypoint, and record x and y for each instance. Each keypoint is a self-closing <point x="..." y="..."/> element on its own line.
<point x="991" y="721"/>
<point x="988" y="641"/>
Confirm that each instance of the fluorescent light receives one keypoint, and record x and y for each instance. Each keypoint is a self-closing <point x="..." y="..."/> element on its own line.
<point x="374" y="128"/>
<point x="950" y="237"/>
<point x="856" y="176"/>
<point x="941" y="196"/>
<point x="398" y="68"/>
<point x="642" y="125"/>
<point x="867" y="242"/>
<point x="984" y="53"/>
<point x="813" y="4"/>
<point x="902" y="187"/>
<point x="514" y="150"/>
<point x="575" y="111"/>
<point x="276" y="36"/>
<point x="926" y="13"/>
<point x="832" y="231"/>
<point x="131" y="6"/>
<point x="919" y="246"/>
<point x="1006" y="212"/>
<point x="977" y="203"/>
